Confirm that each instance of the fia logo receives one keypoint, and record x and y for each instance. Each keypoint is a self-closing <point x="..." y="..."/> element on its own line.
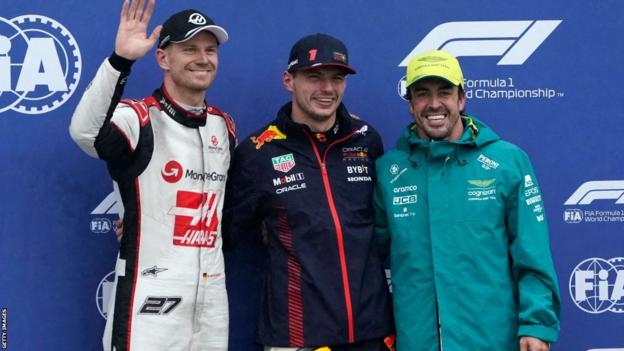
<point x="40" y="64"/>
<point x="101" y="225"/>
<point x="573" y="215"/>
<point x="597" y="285"/>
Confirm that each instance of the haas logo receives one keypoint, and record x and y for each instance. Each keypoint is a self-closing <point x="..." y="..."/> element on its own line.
<point x="196" y="221"/>
<point x="172" y="172"/>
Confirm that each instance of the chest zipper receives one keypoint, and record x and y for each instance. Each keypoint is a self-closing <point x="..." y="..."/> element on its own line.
<point x="336" y="219"/>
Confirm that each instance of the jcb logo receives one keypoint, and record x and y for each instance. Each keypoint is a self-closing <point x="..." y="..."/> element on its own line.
<point x="40" y="64"/>
<point x="514" y="40"/>
<point x="404" y="200"/>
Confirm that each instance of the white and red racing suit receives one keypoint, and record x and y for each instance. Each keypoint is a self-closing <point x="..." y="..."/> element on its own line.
<point x="171" y="168"/>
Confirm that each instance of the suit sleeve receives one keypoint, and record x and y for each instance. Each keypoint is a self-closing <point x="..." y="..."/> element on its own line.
<point x="532" y="265"/>
<point x="98" y="126"/>
<point x="382" y="234"/>
<point x="241" y="209"/>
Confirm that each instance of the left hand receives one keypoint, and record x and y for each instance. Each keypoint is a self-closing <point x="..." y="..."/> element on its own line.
<point x="528" y="343"/>
<point x="119" y="229"/>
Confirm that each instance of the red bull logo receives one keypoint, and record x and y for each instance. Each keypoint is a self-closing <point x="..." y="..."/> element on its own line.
<point x="270" y="134"/>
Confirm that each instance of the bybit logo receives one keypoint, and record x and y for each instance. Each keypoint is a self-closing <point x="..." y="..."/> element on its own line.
<point x="515" y="41"/>
<point x="40" y="64"/>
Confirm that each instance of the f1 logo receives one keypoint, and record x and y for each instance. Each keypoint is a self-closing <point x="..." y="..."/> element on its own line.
<point x="514" y="40"/>
<point x="598" y="190"/>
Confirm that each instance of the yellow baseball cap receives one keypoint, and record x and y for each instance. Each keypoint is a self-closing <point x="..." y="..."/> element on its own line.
<point x="435" y="63"/>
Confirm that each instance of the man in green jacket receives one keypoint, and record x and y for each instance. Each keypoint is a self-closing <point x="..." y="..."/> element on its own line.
<point x="462" y="216"/>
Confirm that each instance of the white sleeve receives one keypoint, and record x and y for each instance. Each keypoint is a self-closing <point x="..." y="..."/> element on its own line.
<point x="91" y="113"/>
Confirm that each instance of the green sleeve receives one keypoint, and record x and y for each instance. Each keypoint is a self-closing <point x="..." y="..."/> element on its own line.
<point x="532" y="265"/>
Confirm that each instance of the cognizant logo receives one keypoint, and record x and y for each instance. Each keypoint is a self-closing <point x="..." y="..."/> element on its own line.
<point x="40" y="64"/>
<point x="515" y="41"/>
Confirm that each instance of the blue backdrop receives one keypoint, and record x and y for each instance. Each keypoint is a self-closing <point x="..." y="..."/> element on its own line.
<point x="543" y="75"/>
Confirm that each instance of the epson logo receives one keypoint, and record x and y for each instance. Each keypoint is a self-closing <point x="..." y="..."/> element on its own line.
<point x="515" y="41"/>
<point x="590" y="191"/>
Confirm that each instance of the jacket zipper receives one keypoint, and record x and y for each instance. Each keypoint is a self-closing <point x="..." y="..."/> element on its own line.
<point x="338" y="226"/>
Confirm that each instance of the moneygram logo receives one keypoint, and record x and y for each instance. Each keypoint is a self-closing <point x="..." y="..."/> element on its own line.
<point x="515" y="41"/>
<point x="597" y="192"/>
<point x="104" y="292"/>
<point x="172" y="172"/>
<point x="597" y="285"/>
<point x="40" y="64"/>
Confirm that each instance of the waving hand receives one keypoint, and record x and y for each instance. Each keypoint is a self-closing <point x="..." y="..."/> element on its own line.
<point x="132" y="41"/>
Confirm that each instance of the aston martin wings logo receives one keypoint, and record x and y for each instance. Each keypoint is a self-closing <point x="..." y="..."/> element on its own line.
<point x="482" y="183"/>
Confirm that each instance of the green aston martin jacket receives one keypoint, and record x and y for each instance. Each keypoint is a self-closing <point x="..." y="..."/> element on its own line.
<point x="465" y="226"/>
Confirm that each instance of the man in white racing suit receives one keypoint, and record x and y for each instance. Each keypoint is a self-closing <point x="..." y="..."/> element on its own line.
<point x="169" y="153"/>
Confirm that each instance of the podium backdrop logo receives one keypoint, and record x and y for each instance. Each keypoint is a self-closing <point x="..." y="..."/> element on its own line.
<point x="596" y="201"/>
<point x="40" y="64"/>
<point x="597" y="285"/>
<point x="515" y="41"/>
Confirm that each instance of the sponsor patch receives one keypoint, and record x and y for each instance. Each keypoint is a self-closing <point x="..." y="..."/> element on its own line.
<point x="487" y="163"/>
<point x="196" y="221"/>
<point x="291" y="188"/>
<point x="283" y="163"/>
<point x="482" y="189"/>
<point x="288" y="179"/>
<point x="152" y="271"/>
<point x="268" y="135"/>
<point x="354" y="153"/>
<point x="404" y="200"/>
